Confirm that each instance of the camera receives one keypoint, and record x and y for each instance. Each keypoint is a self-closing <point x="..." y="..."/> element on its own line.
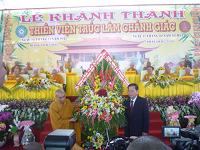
<point x="190" y="139"/>
<point x="118" y="143"/>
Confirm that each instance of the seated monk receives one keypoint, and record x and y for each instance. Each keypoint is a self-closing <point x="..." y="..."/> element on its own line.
<point x="187" y="72"/>
<point x="149" y="74"/>
<point x="198" y="65"/>
<point x="132" y="68"/>
<point x="6" y="68"/>
<point x="167" y="72"/>
<point x="61" y="69"/>
<point x="180" y="67"/>
<point x="28" y="66"/>
<point x="68" y="65"/>
<point x="61" y="116"/>
<point x="35" y="75"/>
<point x="57" y="78"/>
<point x="25" y="71"/>
<point x="17" y="77"/>
<point x="13" y="68"/>
<point x="166" y="65"/>
<point x="148" y="65"/>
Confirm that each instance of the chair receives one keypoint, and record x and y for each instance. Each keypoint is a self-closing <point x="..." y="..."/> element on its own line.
<point x="182" y="72"/>
<point x="43" y="75"/>
<point x="174" y="69"/>
<point x="64" y="77"/>
<point x="66" y="70"/>
<point x="78" y="71"/>
<point x="143" y="72"/>
<point x="161" y="72"/>
<point x="25" y="76"/>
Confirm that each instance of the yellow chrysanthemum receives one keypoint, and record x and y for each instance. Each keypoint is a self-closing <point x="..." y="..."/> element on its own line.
<point x="83" y="145"/>
<point x="94" y="105"/>
<point x="122" y="108"/>
<point x="84" y="107"/>
<point x="97" y="145"/>
<point x="118" y="101"/>
<point x="115" y="86"/>
<point x="90" y="129"/>
<point x="82" y="99"/>
<point x="113" y="112"/>
<point x="88" y="137"/>
<point x="94" y="131"/>
<point x="87" y="87"/>
<point x="2" y="124"/>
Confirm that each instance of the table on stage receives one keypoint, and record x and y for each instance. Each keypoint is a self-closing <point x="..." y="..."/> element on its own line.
<point x="134" y="78"/>
<point x="176" y="89"/>
<point x="71" y="83"/>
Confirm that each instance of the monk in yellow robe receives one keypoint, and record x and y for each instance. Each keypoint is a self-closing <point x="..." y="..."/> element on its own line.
<point x="35" y="75"/>
<point x="6" y="68"/>
<point x="149" y="74"/>
<point x="180" y="67"/>
<point x="167" y="72"/>
<point x="17" y="77"/>
<point x="198" y="65"/>
<point x="61" y="69"/>
<point x="68" y="65"/>
<point x="61" y="116"/>
<point x="57" y="78"/>
<point x="13" y="68"/>
<point x="132" y="68"/>
<point x="28" y="66"/>
<point x="187" y="72"/>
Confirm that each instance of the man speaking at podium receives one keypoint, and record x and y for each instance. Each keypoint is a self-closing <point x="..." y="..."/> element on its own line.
<point x="136" y="113"/>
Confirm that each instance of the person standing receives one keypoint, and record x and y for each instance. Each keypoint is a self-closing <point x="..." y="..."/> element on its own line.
<point x="187" y="63"/>
<point x="136" y="113"/>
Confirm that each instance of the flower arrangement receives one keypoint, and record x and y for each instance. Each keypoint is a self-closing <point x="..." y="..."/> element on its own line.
<point x="100" y="106"/>
<point x="35" y="85"/>
<point x="35" y="110"/>
<point x="5" y="116"/>
<point x="157" y="70"/>
<point x="3" y="131"/>
<point x="172" y="116"/>
<point x="195" y="98"/>
<point x="190" y="124"/>
<point x="48" y="74"/>
<point x="15" y="128"/>
<point x="161" y="80"/>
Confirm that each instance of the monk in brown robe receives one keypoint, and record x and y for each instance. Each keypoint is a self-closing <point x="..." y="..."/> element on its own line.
<point x="187" y="72"/>
<point x="17" y="77"/>
<point x="13" y="68"/>
<point x="132" y="68"/>
<point x="61" y="116"/>
<point x="198" y="65"/>
<point x="167" y="72"/>
<point x="148" y="65"/>
<point x="6" y="68"/>
<point x="68" y="65"/>
<point x="57" y="78"/>
<point x="149" y="74"/>
<point x="35" y="75"/>
<point x="61" y="69"/>
<point x="2" y="71"/>
<point x="28" y="66"/>
<point x="25" y="71"/>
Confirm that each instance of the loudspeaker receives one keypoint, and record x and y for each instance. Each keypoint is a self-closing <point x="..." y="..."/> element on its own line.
<point x="60" y="139"/>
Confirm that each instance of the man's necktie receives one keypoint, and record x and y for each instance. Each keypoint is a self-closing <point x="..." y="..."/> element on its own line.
<point x="131" y="108"/>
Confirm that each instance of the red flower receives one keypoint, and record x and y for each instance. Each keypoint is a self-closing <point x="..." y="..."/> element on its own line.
<point x="87" y="113"/>
<point x="79" y="111"/>
<point x="102" y="92"/>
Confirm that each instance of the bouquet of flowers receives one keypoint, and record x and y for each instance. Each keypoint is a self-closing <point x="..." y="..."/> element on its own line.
<point x="35" y="85"/>
<point x="15" y="129"/>
<point x="5" y="116"/>
<point x="195" y="99"/>
<point x="157" y="70"/>
<point x="100" y="105"/>
<point x="161" y="80"/>
<point x="48" y="74"/>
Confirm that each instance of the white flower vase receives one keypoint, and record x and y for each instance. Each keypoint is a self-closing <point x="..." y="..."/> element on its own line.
<point x="16" y="140"/>
<point x="28" y="137"/>
<point x="2" y="143"/>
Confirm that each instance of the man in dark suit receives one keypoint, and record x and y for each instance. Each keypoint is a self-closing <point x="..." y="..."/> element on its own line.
<point x="137" y="113"/>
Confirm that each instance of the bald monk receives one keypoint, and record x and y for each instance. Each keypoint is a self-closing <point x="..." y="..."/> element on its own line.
<point x="68" y="65"/>
<point x="17" y="77"/>
<point x="198" y="65"/>
<point x="35" y="75"/>
<point x="6" y="68"/>
<point x="132" y="68"/>
<point x="13" y="68"/>
<point x="166" y="65"/>
<point x="28" y="66"/>
<point x="57" y="78"/>
<point x="187" y="72"/>
<point x="148" y="65"/>
<point x="25" y="71"/>
<point x="2" y="71"/>
<point x="61" y="69"/>
<point x="61" y="116"/>
<point x="149" y="74"/>
<point x="167" y="72"/>
<point x="180" y="67"/>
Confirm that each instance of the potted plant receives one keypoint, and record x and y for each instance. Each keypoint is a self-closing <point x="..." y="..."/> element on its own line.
<point x="3" y="134"/>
